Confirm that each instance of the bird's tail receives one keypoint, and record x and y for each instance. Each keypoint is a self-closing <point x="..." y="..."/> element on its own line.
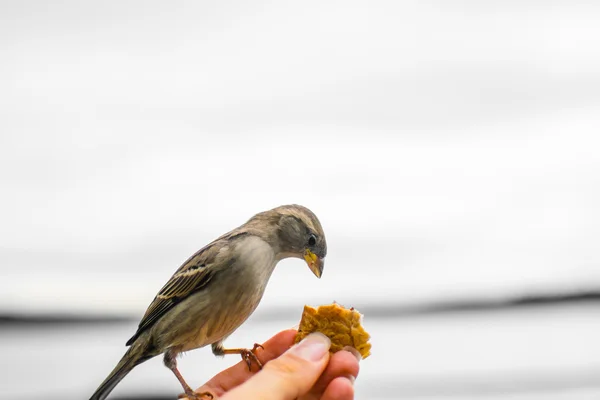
<point x="135" y="355"/>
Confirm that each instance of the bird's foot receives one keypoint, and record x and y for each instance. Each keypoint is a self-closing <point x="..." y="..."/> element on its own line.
<point x="196" y="396"/>
<point x="250" y="355"/>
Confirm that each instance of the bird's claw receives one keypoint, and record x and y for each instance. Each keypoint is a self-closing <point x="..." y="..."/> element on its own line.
<point x="250" y="355"/>
<point x="256" y="347"/>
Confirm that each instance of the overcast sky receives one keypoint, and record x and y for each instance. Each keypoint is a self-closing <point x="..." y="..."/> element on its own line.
<point x="450" y="149"/>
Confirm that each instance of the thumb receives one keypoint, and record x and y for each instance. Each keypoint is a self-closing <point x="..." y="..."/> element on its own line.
<point x="291" y="375"/>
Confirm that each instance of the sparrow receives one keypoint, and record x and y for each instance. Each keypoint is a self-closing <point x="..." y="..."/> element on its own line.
<point x="217" y="289"/>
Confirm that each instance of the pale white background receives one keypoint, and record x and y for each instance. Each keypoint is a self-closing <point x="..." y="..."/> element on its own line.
<point x="450" y="149"/>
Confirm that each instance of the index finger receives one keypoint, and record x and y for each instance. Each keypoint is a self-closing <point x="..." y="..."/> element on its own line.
<point x="239" y="373"/>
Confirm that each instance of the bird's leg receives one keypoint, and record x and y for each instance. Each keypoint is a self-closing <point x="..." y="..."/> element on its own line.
<point x="170" y="361"/>
<point x="247" y="354"/>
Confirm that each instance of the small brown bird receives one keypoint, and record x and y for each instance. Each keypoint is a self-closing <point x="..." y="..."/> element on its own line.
<point x="218" y="288"/>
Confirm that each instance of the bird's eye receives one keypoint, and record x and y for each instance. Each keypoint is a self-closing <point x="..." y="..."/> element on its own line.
<point x="312" y="240"/>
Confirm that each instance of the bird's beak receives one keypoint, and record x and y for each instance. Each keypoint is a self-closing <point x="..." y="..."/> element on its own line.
<point x="314" y="263"/>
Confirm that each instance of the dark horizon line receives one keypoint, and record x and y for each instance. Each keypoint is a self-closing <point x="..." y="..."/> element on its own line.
<point x="385" y="310"/>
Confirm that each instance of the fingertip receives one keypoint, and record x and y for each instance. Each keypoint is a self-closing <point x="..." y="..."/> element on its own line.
<point x="354" y="352"/>
<point x="290" y="331"/>
<point x="285" y="338"/>
<point x="345" y="363"/>
<point x="313" y="348"/>
<point x="341" y="388"/>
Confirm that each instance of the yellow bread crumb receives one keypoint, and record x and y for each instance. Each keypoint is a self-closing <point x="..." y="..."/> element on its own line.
<point x="341" y="325"/>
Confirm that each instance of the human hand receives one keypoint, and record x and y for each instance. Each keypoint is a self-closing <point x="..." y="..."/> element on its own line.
<point x="306" y="371"/>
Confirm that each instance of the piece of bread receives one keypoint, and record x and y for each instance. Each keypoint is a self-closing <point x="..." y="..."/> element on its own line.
<point x="341" y="325"/>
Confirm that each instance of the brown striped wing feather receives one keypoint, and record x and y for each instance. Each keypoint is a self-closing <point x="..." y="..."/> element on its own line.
<point x="192" y="276"/>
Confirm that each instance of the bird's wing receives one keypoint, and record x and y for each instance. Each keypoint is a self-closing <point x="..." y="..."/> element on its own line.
<point x="191" y="277"/>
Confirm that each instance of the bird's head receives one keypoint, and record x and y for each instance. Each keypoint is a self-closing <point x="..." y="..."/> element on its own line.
<point x="297" y="233"/>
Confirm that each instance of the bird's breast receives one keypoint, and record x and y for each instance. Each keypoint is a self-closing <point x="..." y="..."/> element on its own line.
<point x="233" y="293"/>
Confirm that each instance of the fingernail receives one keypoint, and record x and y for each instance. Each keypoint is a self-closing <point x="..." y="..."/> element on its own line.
<point x="351" y="378"/>
<point x="313" y="347"/>
<point x="354" y="352"/>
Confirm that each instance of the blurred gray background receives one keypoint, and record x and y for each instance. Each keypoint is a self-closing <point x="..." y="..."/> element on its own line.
<point x="450" y="149"/>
